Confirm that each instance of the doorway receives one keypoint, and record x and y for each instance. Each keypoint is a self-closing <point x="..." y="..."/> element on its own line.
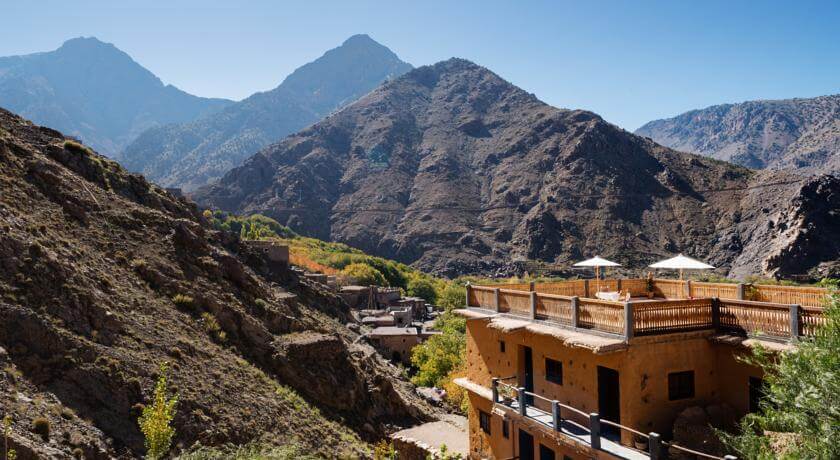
<point x="609" y="399"/>
<point x="527" y="379"/>
<point x="526" y="445"/>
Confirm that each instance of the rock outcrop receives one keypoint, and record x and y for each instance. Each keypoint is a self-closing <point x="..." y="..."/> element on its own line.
<point x="104" y="276"/>
<point x="454" y="170"/>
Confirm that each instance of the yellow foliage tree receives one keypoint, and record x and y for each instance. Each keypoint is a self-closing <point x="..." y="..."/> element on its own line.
<point x="156" y="420"/>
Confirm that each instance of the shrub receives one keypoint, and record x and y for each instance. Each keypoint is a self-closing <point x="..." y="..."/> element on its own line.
<point x="41" y="426"/>
<point x="452" y="296"/>
<point x="78" y="453"/>
<point x="156" y="420"/>
<point x="384" y="451"/>
<point x="7" y="431"/>
<point x="183" y="301"/>
<point x="436" y="358"/>
<point x="211" y="325"/>
<point x="73" y="146"/>
<point x="364" y="274"/>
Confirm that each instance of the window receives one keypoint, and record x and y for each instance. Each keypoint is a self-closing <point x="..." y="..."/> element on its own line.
<point x="680" y="385"/>
<point x="484" y="421"/>
<point x="756" y="386"/>
<point x="502" y="346"/>
<point x="505" y="429"/>
<point x="546" y="453"/>
<point x="554" y="371"/>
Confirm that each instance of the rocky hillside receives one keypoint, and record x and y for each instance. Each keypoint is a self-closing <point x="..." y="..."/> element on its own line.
<point x="454" y="170"/>
<point x="104" y="276"/>
<point x="194" y="154"/>
<point x="95" y="92"/>
<point x="795" y="133"/>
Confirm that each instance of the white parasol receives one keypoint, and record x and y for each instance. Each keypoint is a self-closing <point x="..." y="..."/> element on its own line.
<point x="681" y="263"/>
<point x="597" y="262"/>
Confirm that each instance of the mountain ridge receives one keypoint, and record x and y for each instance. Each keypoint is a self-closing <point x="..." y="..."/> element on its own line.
<point x="96" y="92"/>
<point x="454" y="170"/>
<point x="798" y="133"/>
<point x="196" y="153"/>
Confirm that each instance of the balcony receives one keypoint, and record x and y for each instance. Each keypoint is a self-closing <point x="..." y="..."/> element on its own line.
<point x="565" y="420"/>
<point x="675" y="306"/>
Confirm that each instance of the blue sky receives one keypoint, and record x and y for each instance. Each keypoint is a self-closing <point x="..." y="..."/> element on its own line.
<point x="631" y="62"/>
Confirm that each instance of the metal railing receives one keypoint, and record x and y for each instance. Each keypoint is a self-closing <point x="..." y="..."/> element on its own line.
<point x="656" y="446"/>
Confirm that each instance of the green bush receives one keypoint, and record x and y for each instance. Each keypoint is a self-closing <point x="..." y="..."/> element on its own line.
<point x="156" y="420"/>
<point x="452" y="296"/>
<point x="41" y="426"/>
<point x="423" y="288"/>
<point x="365" y="275"/>
<point x="442" y="353"/>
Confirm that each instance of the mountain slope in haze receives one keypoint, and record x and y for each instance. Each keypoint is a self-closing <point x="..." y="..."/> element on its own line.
<point x="454" y="170"/>
<point x="104" y="276"/>
<point x="193" y="154"/>
<point x="793" y="133"/>
<point x="95" y="92"/>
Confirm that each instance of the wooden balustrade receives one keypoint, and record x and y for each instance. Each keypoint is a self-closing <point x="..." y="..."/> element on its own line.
<point x="669" y="289"/>
<point x="601" y="315"/>
<point x="638" y="287"/>
<point x="647" y="317"/>
<point x="481" y="297"/>
<point x="515" y="302"/>
<point x="566" y="288"/>
<point x="554" y="308"/>
<point x="800" y="295"/>
<point x="744" y="316"/>
<point x="667" y="316"/>
<point x="714" y="290"/>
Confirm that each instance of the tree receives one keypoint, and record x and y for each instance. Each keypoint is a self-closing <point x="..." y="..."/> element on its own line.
<point x="452" y="296"/>
<point x="156" y="419"/>
<point x="436" y="358"/>
<point x="799" y="416"/>
<point x="364" y="274"/>
<point x="419" y="286"/>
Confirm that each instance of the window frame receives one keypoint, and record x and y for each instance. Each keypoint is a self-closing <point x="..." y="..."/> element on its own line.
<point x="484" y="419"/>
<point x="676" y="388"/>
<point x="555" y="378"/>
<point x="502" y="346"/>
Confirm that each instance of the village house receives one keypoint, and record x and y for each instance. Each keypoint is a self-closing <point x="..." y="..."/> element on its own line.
<point x="554" y="373"/>
<point x="397" y="343"/>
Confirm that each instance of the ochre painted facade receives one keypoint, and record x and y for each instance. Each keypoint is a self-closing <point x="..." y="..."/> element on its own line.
<point x="643" y="366"/>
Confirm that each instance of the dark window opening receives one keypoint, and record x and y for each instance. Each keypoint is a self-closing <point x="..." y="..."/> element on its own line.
<point x="680" y="385"/>
<point x="502" y="346"/>
<point x="484" y="421"/>
<point x="505" y="429"/>
<point x="757" y="393"/>
<point x="546" y="453"/>
<point x="554" y="371"/>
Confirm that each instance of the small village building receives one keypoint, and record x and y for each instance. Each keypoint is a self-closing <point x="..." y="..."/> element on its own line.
<point x="395" y="343"/>
<point x="432" y="439"/>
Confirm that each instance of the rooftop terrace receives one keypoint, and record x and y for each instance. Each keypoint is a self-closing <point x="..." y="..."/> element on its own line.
<point x="658" y="306"/>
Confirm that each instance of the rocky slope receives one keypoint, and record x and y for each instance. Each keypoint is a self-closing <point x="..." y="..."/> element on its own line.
<point x="194" y="154"/>
<point x="95" y="92"/>
<point x="454" y="170"/>
<point x="91" y="258"/>
<point x="794" y="133"/>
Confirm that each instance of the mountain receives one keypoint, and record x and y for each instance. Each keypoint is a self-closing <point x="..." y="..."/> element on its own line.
<point x="95" y="92"/>
<point x="793" y="133"/>
<point x="194" y="154"/>
<point x="454" y="170"/>
<point x="104" y="276"/>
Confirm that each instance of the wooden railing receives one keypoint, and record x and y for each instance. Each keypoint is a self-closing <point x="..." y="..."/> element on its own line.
<point x="601" y="315"/>
<point x="567" y="288"/>
<point x="799" y="295"/>
<point x="755" y="318"/>
<point x="668" y="316"/>
<point x="669" y="289"/>
<point x="714" y="290"/>
<point x="638" y="287"/>
<point x="554" y="307"/>
<point x="648" y="317"/>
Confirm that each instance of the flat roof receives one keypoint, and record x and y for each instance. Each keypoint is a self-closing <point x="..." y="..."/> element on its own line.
<point x="451" y="432"/>
<point x="393" y="330"/>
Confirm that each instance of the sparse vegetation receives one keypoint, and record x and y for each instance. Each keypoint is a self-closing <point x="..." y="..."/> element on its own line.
<point x="76" y="147"/>
<point x="252" y="451"/>
<point x="41" y="427"/>
<point x="440" y="359"/>
<point x="156" y="420"/>
<point x="8" y="453"/>
<point x="799" y="416"/>
<point x="183" y="301"/>
<point x="384" y="451"/>
<point x="211" y="325"/>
